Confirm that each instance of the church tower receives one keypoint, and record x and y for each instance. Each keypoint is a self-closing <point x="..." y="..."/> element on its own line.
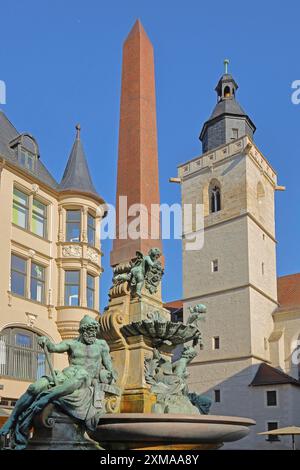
<point x="234" y="274"/>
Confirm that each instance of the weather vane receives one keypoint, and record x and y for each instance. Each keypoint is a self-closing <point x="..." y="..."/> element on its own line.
<point x="226" y="62"/>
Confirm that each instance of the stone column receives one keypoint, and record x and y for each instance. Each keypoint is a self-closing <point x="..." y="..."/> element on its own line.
<point x="84" y="213"/>
<point x="83" y="275"/>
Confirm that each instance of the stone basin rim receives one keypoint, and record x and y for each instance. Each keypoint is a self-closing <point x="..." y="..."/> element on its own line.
<point x="172" y="417"/>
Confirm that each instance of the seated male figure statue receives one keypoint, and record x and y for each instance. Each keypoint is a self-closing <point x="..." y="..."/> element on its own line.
<point x="75" y="390"/>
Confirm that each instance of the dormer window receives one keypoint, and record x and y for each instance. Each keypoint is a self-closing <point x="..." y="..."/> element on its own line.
<point x="26" y="150"/>
<point x="27" y="159"/>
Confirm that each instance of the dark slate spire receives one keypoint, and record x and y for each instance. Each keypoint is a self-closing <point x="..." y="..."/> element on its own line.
<point x="77" y="176"/>
<point x="228" y="120"/>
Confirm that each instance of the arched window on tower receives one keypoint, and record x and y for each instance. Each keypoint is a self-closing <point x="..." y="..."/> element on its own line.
<point x="260" y="192"/>
<point x="215" y="197"/>
<point x="227" y="92"/>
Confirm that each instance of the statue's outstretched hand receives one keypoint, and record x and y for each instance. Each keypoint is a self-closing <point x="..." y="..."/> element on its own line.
<point x="42" y="341"/>
<point x="114" y="375"/>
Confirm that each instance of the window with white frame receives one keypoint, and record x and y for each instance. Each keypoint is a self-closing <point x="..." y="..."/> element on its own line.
<point x="72" y="288"/>
<point x="37" y="282"/>
<point x="73" y="225"/>
<point x="29" y="213"/>
<point x="39" y="218"/>
<point x="91" y="229"/>
<point x="27" y="159"/>
<point x="18" y="275"/>
<point x="20" y="208"/>
<point x="20" y="280"/>
<point x="90" y="291"/>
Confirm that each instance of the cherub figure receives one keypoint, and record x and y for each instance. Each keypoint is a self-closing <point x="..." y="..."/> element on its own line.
<point x="140" y="271"/>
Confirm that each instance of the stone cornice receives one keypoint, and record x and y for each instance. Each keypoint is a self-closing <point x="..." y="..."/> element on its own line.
<point x="243" y="146"/>
<point x="230" y="358"/>
<point x="230" y="219"/>
<point x="231" y="289"/>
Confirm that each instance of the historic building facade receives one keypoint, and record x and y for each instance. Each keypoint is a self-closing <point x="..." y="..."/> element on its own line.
<point x="248" y="338"/>
<point x="50" y="256"/>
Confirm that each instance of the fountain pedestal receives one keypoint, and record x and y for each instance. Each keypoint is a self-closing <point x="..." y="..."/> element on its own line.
<point x="54" y="430"/>
<point x="129" y="353"/>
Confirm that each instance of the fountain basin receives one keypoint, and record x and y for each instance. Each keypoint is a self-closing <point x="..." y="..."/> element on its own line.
<point x="168" y="431"/>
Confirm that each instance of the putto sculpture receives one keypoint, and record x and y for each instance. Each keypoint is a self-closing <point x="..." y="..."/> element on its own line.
<point x="168" y="382"/>
<point x="79" y="390"/>
<point x="142" y="270"/>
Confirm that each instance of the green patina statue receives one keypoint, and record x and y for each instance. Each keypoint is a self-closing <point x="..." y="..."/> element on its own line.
<point x="168" y="383"/>
<point x="79" y="390"/>
<point x="143" y="270"/>
<point x="168" y="379"/>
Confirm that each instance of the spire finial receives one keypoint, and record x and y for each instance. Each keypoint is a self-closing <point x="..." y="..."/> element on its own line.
<point x="78" y="129"/>
<point x="226" y="62"/>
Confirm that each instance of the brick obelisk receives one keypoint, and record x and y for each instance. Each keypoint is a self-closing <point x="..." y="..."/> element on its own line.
<point x="138" y="181"/>
<point x="138" y="155"/>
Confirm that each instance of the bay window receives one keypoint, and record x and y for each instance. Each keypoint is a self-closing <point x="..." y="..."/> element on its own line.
<point x="91" y="229"/>
<point x="73" y="225"/>
<point x="90" y="291"/>
<point x="72" y="288"/>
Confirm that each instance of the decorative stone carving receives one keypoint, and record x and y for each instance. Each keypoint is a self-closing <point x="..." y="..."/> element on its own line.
<point x="92" y="255"/>
<point x="9" y="296"/>
<point x="31" y="319"/>
<point x="31" y="253"/>
<point x="35" y="188"/>
<point x="2" y="165"/>
<point x="60" y="236"/>
<point x="72" y="251"/>
<point x="142" y="270"/>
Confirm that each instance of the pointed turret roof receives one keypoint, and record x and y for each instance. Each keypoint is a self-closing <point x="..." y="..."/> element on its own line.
<point x="77" y="176"/>
<point x="227" y="104"/>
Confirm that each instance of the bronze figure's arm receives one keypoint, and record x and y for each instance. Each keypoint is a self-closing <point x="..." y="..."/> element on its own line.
<point x="52" y="347"/>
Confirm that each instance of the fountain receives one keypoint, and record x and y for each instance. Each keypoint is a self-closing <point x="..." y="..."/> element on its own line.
<point x="131" y="395"/>
<point x="156" y="409"/>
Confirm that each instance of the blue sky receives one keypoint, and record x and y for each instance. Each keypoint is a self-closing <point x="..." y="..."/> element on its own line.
<point x="61" y="61"/>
